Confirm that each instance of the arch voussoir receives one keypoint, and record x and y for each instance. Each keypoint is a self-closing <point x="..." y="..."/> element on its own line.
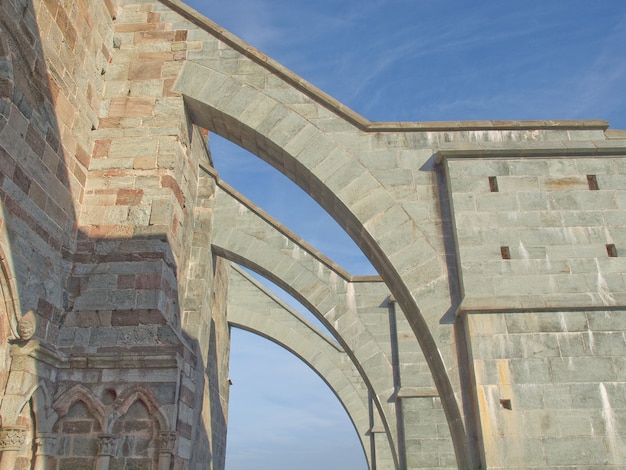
<point x="324" y="183"/>
<point x="308" y="277"/>
<point x="255" y="309"/>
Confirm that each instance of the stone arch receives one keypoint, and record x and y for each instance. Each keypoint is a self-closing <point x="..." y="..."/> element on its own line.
<point x="33" y="421"/>
<point x="80" y="424"/>
<point x="80" y="393"/>
<point x="45" y="414"/>
<point x="292" y="332"/>
<point x="9" y="301"/>
<point x="243" y="109"/>
<point x="8" y="326"/>
<point x="136" y="433"/>
<point x="19" y="408"/>
<point x="258" y="243"/>
<point x="142" y="433"/>
<point x="16" y="407"/>
<point x="137" y="393"/>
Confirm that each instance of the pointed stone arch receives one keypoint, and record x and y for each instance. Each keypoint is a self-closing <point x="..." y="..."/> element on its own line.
<point x="137" y="393"/>
<point x="81" y="393"/>
<point x="258" y="242"/>
<point x="8" y="319"/>
<point x="81" y="421"/>
<point x="45" y="414"/>
<point x="245" y="109"/>
<point x="265" y="315"/>
<point x="12" y="403"/>
<point x="135" y="432"/>
<point x="9" y="300"/>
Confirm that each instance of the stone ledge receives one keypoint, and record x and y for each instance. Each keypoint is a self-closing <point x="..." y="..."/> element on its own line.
<point x="117" y="361"/>
<point x="568" y="149"/>
<point x="510" y="304"/>
<point x="417" y="392"/>
<point x="615" y="134"/>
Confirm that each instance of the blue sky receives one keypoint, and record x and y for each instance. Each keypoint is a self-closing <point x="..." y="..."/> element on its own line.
<point x="395" y="60"/>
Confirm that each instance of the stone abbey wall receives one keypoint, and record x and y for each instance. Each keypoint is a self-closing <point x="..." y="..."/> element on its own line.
<point x="493" y="336"/>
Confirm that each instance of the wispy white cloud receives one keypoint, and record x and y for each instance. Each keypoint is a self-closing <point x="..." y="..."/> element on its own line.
<point x="600" y="89"/>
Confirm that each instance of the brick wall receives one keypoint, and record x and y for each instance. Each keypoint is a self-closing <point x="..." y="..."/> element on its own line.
<point x="97" y="183"/>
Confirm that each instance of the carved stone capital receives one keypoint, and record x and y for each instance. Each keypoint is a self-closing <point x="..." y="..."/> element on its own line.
<point x="107" y="444"/>
<point x="46" y="444"/>
<point x="167" y="441"/>
<point x="27" y="325"/>
<point x="12" y="437"/>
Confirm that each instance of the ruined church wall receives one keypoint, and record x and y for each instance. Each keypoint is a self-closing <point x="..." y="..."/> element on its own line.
<point x="540" y="244"/>
<point x="50" y="54"/>
<point x="98" y="185"/>
<point x="52" y="57"/>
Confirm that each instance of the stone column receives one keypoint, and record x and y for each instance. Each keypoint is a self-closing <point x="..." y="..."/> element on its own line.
<point x="167" y="444"/>
<point x="46" y="445"/>
<point x="107" y="444"/>
<point x="12" y="439"/>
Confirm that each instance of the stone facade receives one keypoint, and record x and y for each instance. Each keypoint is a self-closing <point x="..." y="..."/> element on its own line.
<point x="493" y="336"/>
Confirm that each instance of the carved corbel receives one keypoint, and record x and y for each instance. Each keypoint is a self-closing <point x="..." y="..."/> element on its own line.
<point x="107" y="445"/>
<point x="167" y="442"/>
<point x="27" y="325"/>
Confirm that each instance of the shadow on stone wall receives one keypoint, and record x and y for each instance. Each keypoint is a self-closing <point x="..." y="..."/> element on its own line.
<point x="110" y="382"/>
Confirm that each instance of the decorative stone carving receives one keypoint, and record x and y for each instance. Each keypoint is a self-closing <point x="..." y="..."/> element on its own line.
<point x="167" y="441"/>
<point x="12" y="438"/>
<point x="107" y="444"/>
<point x="27" y="325"/>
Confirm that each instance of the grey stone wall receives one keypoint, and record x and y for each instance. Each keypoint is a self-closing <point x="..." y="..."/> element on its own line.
<point x="561" y="220"/>
<point x="550" y="388"/>
<point x="541" y="239"/>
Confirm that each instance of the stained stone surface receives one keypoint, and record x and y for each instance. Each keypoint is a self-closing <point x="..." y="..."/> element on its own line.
<point x="493" y="336"/>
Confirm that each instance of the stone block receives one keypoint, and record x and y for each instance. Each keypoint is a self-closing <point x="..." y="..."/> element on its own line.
<point x="531" y="371"/>
<point x="582" y="369"/>
<point x="130" y="106"/>
<point x="575" y="451"/>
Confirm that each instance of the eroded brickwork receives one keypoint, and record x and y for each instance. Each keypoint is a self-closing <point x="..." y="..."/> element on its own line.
<point x="92" y="244"/>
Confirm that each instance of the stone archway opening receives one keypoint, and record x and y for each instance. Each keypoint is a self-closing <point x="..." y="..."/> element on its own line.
<point x="282" y="406"/>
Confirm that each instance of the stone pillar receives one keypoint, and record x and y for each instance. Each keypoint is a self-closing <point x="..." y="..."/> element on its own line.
<point x="12" y="439"/>
<point x="46" y="445"/>
<point x="167" y="444"/>
<point x="107" y="444"/>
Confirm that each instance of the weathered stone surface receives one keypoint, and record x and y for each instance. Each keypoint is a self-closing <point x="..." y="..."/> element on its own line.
<point x="493" y="338"/>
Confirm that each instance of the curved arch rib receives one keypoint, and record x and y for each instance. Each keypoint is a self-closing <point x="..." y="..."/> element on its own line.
<point x="258" y="314"/>
<point x="255" y="110"/>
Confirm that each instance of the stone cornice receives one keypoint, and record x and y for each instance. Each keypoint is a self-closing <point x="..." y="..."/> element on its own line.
<point x="535" y="150"/>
